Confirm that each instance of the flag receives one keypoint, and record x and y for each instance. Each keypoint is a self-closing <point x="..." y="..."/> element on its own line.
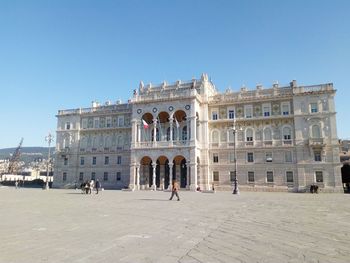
<point x="177" y="123"/>
<point x="145" y="124"/>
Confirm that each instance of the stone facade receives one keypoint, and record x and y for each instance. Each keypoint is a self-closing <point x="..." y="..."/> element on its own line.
<point x="285" y="139"/>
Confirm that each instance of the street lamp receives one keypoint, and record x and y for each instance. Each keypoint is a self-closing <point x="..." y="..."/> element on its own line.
<point x="49" y="139"/>
<point x="235" y="182"/>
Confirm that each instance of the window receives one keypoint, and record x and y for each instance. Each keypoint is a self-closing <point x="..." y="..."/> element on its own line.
<point x="250" y="157"/>
<point x="96" y="122"/>
<point x="94" y="160"/>
<point x="65" y="161"/>
<point x="290" y="178"/>
<point x="266" y="110"/>
<point x="215" y="137"/>
<point x="316" y="133"/>
<point x="106" y="159"/>
<point x="64" y="177"/>
<point x="232" y="176"/>
<point x="319" y="176"/>
<point x="184" y="133"/>
<point x="268" y="156"/>
<point x="81" y="176"/>
<point x="269" y="177"/>
<point x="85" y="123"/>
<point x="119" y="160"/>
<point x="248" y="111"/>
<point x="67" y="125"/>
<point x="288" y="157"/>
<point x="119" y="177"/>
<point x="249" y="135"/>
<point x="102" y="122"/>
<point x="231" y="114"/>
<point x="313" y="107"/>
<point x="285" y="108"/>
<point x="232" y="157"/>
<point x="120" y="121"/>
<point x="105" y="176"/>
<point x="317" y="155"/>
<point x="109" y="122"/>
<point x="287" y="133"/>
<point x="90" y="123"/>
<point x="82" y="161"/>
<point x="214" y="115"/>
<point x="251" y="177"/>
<point x="267" y="134"/>
<point x="216" y="176"/>
<point x="215" y="158"/>
<point x="93" y="176"/>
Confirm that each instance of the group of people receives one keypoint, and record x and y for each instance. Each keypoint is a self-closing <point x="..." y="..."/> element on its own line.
<point x="314" y="189"/>
<point x="88" y="186"/>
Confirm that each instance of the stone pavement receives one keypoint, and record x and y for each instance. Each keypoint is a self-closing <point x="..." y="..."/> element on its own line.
<point x="114" y="226"/>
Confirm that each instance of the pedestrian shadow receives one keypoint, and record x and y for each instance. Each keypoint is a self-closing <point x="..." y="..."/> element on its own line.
<point x="152" y="199"/>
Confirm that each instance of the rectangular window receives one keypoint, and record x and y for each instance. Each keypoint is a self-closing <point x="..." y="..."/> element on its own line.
<point x="93" y="176"/>
<point x="251" y="177"/>
<point x="82" y="161"/>
<point x="216" y="176"/>
<point x="285" y="109"/>
<point x="120" y="121"/>
<point x="214" y="115"/>
<point x="85" y="123"/>
<point x="232" y="157"/>
<point x="215" y="158"/>
<point x="231" y="114"/>
<point x="119" y="177"/>
<point x="96" y="123"/>
<point x="105" y="176"/>
<point x="319" y="177"/>
<point x="81" y="176"/>
<point x="290" y="178"/>
<point x="67" y="125"/>
<point x="90" y="123"/>
<point x="109" y="122"/>
<point x="106" y="159"/>
<point x="64" y="177"/>
<point x="248" y="111"/>
<point x="313" y="107"/>
<point x="119" y="160"/>
<point x="268" y="156"/>
<point x="266" y="110"/>
<point x="250" y="157"/>
<point x="317" y="155"/>
<point x="94" y="160"/>
<point x="288" y="157"/>
<point x="232" y="176"/>
<point x="269" y="177"/>
<point x="65" y="161"/>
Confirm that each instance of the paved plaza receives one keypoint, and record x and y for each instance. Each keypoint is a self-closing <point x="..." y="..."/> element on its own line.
<point x="115" y="226"/>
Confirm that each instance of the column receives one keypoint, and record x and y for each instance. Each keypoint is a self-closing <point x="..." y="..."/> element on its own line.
<point x="133" y="132"/>
<point x="154" y="131"/>
<point x="139" y="132"/>
<point x="138" y="177"/>
<point x="193" y="128"/>
<point x="171" y="129"/>
<point x="193" y="168"/>
<point x="170" y="176"/>
<point x="132" y="177"/>
<point x="187" y="176"/>
<point x="154" y="186"/>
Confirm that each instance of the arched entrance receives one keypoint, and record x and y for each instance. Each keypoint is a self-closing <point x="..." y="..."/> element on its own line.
<point x="180" y="171"/>
<point x="345" y="175"/>
<point x="146" y="172"/>
<point x="162" y="172"/>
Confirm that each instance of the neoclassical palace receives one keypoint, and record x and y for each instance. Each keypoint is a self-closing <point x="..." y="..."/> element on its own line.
<point x="285" y="139"/>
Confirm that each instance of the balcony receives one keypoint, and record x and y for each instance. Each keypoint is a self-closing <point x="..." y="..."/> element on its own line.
<point x="316" y="142"/>
<point x="162" y="144"/>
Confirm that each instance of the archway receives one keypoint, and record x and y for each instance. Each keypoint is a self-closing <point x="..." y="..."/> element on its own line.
<point x="146" y="127"/>
<point x="146" y="172"/>
<point x="180" y="171"/>
<point x="345" y="175"/>
<point x="162" y="172"/>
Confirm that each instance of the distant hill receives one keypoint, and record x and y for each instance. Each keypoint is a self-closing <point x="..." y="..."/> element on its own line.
<point x="28" y="154"/>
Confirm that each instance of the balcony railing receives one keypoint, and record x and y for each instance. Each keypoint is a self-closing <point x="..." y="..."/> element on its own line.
<point x="316" y="141"/>
<point x="162" y="144"/>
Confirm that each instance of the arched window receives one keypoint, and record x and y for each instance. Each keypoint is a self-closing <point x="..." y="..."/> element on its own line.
<point x="215" y="137"/>
<point x="249" y="135"/>
<point x="287" y="133"/>
<point x="184" y="133"/>
<point x="316" y="133"/>
<point x="267" y="134"/>
<point x="168" y="134"/>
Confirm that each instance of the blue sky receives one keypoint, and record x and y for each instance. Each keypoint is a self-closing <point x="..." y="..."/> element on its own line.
<point x="64" y="54"/>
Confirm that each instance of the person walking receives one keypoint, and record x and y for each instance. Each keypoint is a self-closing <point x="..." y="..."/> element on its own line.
<point x="98" y="185"/>
<point x="174" y="191"/>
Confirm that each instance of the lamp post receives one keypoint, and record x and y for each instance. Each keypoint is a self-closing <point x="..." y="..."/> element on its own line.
<point x="235" y="182"/>
<point x="49" y="139"/>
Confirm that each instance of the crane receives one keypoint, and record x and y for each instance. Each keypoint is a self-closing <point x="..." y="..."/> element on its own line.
<point x="14" y="161"/>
